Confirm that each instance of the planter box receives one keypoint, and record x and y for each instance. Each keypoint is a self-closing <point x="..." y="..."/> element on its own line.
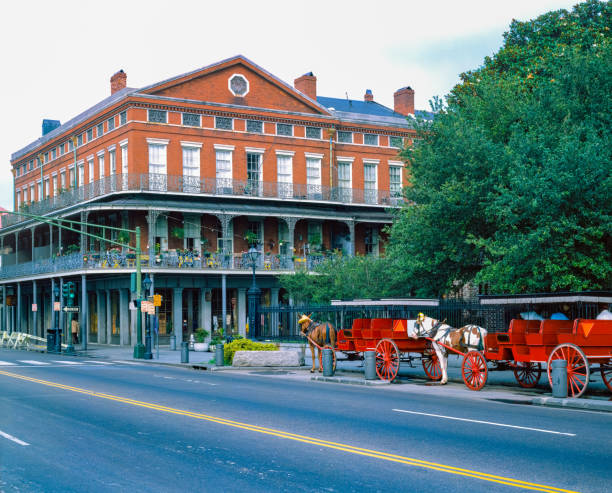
<point x="266" y="358"/>
<point x="200" y="346"/>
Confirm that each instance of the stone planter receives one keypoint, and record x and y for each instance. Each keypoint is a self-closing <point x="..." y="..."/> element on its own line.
<point x="200" y="346"/>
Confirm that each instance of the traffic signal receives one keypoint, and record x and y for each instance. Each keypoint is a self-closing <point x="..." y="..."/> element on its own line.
<point x="71" y="290"/>
<point x="65" y="287"/>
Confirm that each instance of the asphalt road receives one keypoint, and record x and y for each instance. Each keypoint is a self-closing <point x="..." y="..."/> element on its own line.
<point x="105" y="426"/>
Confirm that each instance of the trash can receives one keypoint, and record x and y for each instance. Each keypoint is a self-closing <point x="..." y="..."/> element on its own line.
<point x="51" y="335"/>
<point x="173" y="343"/>
<point x="219" y="355"/>
<point x="558" y="378"/>
<point x="184" y="352"/>
<point x="369" y="365"/>
<point x="328" y="362"/>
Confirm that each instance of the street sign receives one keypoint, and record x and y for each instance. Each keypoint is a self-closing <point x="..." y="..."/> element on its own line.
<point x="34" y="307"/>
<point x="57" y="306"/>
<point x="71" y="308"/>
<point x="144" y="306"/>
<point x="157" y="299"/>
<point x="150" y="309"/>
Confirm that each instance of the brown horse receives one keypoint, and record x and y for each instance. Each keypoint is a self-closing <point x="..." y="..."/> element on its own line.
<point x="322" y="334"/>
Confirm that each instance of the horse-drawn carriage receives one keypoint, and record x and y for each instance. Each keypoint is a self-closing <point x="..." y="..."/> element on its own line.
<point x="528" y="344"/>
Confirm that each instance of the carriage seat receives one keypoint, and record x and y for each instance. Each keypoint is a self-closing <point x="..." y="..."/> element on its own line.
<point x="518" y="329"/>
<point x="549" y="330"/>
<point x="592" y="333"/>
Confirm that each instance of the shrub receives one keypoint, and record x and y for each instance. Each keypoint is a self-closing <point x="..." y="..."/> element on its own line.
<point x="244" y="345"/>
<point x="201" y="334"/>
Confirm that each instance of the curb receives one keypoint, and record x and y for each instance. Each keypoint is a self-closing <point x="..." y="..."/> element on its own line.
<point x="588" y="404"/>
<point x="350" y="381"/>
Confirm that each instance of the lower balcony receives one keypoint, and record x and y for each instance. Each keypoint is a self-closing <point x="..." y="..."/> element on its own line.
<point x="179" y="259"/>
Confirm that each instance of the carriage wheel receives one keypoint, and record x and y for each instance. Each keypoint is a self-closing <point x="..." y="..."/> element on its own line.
<point x="474" y="370"/>
<point x="327" y="346"/>
<point x="577" y="368"/>
<point x="431" y="363"/>
<point x="606" y="374"/>
<point x="527" y="374"/>
<point x="387" y="359"/>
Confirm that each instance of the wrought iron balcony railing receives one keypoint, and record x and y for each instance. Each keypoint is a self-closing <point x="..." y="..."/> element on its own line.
<point x="179" y="184"/>
<point x="114" y="260"/>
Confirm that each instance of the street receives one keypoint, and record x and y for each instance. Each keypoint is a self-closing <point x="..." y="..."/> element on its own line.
<point x="77" y="424"/>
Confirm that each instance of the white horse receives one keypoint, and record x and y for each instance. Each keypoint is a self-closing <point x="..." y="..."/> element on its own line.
<point x="468" y="337"/>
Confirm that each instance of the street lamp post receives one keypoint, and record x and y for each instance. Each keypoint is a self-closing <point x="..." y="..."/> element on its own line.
<point x="146" y="284"/>
<point x="58" y="335"/>
<point x="253" y="294"/>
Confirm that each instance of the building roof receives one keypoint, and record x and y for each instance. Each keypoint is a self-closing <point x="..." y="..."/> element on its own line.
<point x="367" y="111"/>
<point x="77" y="120"/>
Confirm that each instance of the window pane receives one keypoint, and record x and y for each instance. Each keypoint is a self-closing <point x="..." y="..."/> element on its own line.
<point x="254" y="126"/>
<point x="191" y="119"/>
<point x="223" y="123"/>
<point x="111" y="124"/>
<point x="395" y="141"/>
<point x="346" y="137"/>
<point x="99" y="130"/>
<point x="284" y="129"/>
<point x="123" y="117"/>
<point x="370" y="139"/>
<point x="157" y="116"/>
<point x="313" y="133"/>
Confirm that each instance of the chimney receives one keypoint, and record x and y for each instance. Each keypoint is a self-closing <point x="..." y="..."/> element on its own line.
<point x="403" y="101"/>
<point x="48" y="125"/>
<point x="307" y="84"/>
<point x="368" y="96"/>
<point x="118" y="81"/>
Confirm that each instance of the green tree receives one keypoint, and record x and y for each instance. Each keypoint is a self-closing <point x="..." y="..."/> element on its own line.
<point x="511" y="181"/>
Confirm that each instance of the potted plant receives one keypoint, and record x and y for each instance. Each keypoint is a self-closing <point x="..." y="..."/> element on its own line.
<point x="178" y="233"/>
<point x="123" y="237"/>
<point x="200" y="336"/>
<point x="251" y="238"/>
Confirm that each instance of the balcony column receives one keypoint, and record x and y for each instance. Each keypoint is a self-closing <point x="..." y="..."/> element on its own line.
<point x="32" y="230"/>
<point x="59" y="239"/>
<point x="84" y="216"/>
<point x="19" y="306"/>
<point x="224" y="302"/>
<point x="205" y="308"/>
<point x="84" y="312"/>
<point x="242" y="305"/>
<point x="274" y="318"/>
<point x="61" y="312"/>
<point x="351" y="227"/>
<point x="124" y="319"/>
<point x="50" y="240"/>
<point x="152" y="222"/>
<point x="291" y="222"/>
<point x="189" y="312"/>
<point x="3" y="320"/>
<point x="109" y="317"/>
<point x="101" y="312"/>
<point x="34" y="313"/>
<point x="225" y="220"/>
<point x="16" y="248"/>
<point x="177" y="315"/>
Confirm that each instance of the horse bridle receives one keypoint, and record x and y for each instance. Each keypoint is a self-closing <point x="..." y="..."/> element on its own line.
<point x="431" y="331"/>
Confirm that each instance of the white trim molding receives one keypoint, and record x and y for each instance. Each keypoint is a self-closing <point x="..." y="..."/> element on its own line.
<point x="254" y="150"/>
<point x="223" y="147"/>
<point x="100" y="153"/>
<point x="191" y="144"/>
<point x="345" y="159"/>
<point x="112" y="147"/>
<point x="371" y="161"/>
<point x="229" y="85"/>
<point x="396" y="163"/>
<point x="285" y="153"/>
<point x="313" y="155"/>
<point x="157" y="141"/>
<point x="123" y="143"/>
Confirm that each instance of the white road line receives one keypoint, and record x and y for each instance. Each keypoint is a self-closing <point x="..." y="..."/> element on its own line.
<point x="127" y="362"/>
<point x="33" y="362"/>
<point x="98" y="362"/>
<point x="487" y="422"/>
<point x="6" y="363"/>
<point x="13" y="439"/>
<point x="67" y="362"/>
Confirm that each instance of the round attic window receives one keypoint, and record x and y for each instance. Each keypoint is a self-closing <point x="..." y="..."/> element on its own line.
<point x="238" y="85"/>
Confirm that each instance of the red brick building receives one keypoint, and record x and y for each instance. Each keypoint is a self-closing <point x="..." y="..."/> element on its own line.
<point x="200" y="162"/>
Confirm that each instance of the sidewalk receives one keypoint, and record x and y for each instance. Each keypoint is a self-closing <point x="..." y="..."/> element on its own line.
<point x="502" y="383"/>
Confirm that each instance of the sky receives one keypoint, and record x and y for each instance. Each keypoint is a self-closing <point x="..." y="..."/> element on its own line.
<point x="57" y="57"/>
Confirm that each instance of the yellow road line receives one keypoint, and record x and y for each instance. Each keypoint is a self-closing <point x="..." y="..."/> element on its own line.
<point x="302" y="438"/>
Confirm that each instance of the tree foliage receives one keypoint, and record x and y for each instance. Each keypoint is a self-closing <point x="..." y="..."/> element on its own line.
<point x="511" y="182"/>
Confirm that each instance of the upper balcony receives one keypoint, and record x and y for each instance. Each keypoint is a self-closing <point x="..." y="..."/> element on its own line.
<point x="204" y="187"/>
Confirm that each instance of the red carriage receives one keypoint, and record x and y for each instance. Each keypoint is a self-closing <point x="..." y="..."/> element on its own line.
<point x="586" y="344"/>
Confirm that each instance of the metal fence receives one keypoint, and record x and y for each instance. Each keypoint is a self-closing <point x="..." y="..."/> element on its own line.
<point x="492" y="313"/>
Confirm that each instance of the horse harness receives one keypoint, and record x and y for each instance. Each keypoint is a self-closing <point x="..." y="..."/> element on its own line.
<point x="312" y="326"/>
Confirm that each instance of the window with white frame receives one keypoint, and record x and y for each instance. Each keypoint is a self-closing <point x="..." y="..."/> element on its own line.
<point x="191" y="119"/>
<point x="315" y="236"/>
<point x="24" y="193"/>
<point x="123" y="145"/>
<point x="224" y="123"/>
<point x="284" y="129"/>
<point x="110" y="124"/>
<point x="158" y="116"/>
<point x="81" y="174"/>
<point x="371" y="241"/>
<point x="63" y="180"/>
<point x="370" y="182"/>
<point x="100" y="130"/>
<point x="254" y="172"/>
<point x="370" y="139"/>
<point x="40" y="191"/>
<point x="53" y="153"/>
<point x="123" y="118"/>
<point x="158" y="164"/>
<point x="191" y="166"/>
<point x="313" y="176"/>
<point x="283" y="238"/>
<point x="345" y="180"/>
<point x="345" y="137"/>
<point x="71" y="176"/>
<point x="101" y="165"/>
<point x="47" y="188"/>
<point x="313" y="132"/>
<point x="395" y="141"/>
<point x="395" y="181"/>
<point x="90" y="166"/>
<point x="32" y="193"/>
<point x="112" y="167"/>
<point x="254" y="126"/>
<point x="18" y="196"/>
<point x="90" y="135"/>
<point x="54" y="182"/>
<point x="284" y="160"/>
<point x="223" y="155"/>
<point x="225" y="239"/>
